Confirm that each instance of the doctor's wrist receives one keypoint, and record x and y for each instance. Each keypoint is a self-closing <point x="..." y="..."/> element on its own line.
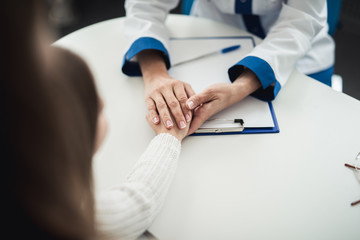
<point x="152" y="65"/>
<point x="246" y="83"/>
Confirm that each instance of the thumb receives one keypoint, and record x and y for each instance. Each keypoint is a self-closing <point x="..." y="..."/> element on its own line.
<point x="201" y="114"/>
<point x="197" y="100"/>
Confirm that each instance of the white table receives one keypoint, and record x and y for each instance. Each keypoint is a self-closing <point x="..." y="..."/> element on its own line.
<point x="291" y="185"/>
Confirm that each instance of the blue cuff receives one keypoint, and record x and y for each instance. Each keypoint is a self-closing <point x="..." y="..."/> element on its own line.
<point x="132" y="68"/>
<point x="263" y="71"/>
<point x="243" y="7"/>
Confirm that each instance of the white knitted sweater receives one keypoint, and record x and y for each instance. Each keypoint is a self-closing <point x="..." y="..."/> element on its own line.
<point x="126" y="211"/>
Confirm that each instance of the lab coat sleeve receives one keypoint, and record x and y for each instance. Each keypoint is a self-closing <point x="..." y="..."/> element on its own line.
<point x="286" y="42"/>
<point x="145" y="29"/>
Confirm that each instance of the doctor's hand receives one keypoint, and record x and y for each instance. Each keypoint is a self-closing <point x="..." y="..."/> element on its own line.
<point x="165" y="97"/>
<point x="220" y="96"/>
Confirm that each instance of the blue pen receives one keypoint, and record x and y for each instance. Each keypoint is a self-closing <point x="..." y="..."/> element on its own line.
<point x="221" y="51"/>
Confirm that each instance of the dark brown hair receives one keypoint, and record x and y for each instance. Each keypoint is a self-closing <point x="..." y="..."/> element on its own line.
<point x="49" y="109"/>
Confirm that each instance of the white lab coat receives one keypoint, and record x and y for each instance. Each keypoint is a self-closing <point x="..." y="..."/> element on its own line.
<point x="296" y="36"/>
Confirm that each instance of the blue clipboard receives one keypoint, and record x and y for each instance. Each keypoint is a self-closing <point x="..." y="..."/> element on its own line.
<point x="250" y="130"/>
<point x="274" y="129"/>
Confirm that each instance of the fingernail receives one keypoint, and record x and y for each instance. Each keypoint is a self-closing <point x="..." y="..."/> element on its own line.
<point x="187" y="116"/>
<point x="190" y="104"/>
<point x="155" y="120"/>
<point x="169" y="123"/>
<point x="182" y="124"/>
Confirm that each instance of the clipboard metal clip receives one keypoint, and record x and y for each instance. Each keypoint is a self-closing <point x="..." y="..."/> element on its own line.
<point x="236" y="120"/>
<point x="240" y="128"/>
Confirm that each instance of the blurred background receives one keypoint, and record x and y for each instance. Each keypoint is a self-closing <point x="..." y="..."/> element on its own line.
<point x="344" y="21"/>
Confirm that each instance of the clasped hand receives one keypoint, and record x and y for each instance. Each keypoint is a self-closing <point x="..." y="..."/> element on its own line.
<point x="169" y="99"/>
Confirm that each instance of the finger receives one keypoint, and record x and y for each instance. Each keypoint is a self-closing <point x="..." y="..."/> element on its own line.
<point x="175" y="108"/>
<point x="155" y="127"/>
<point x="200" y="116"/>
<point x="198" y="119"/>
<point x="182" y="97"/>
<point x="163" y="110"/>
<point x="149" y="119"/>
<point x="153" y="115"/>
<point x="189" y="91"/>
<point x="198" y="99"/>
